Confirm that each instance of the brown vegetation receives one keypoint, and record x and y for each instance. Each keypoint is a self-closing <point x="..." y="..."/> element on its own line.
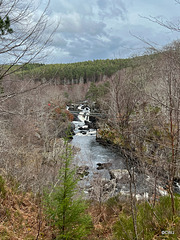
<point x="21" y="215"/>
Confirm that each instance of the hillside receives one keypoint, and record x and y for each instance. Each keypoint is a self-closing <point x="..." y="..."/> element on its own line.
<point x="80" y="72"/>
<point x="21" y="214"/>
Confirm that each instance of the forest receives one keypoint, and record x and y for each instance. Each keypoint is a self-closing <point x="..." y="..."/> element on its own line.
<point x="74" y="72"/>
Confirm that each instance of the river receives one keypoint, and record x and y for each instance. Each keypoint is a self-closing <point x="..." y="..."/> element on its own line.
<point x="91" y="153"/>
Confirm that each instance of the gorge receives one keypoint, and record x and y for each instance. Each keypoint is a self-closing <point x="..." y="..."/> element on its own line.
<point x="109" y="165"/>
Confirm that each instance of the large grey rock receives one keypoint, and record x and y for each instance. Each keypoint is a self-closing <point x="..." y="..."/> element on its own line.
<point x="83" y="171"/>
<point x="118" y="173"/>
<point x="104" y="165"/>
<point x="103" y="190"/>
<point x="109" y="185"/>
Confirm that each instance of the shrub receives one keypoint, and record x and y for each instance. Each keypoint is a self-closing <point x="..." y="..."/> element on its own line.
<point x="151" y="221"/>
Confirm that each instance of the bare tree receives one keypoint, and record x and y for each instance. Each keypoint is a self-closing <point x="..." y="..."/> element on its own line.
<point x="30" y="33"/>
<point x="122" y="101"/>
<point x="169" y="98"/>
<point x="169" y="101"/>
<point x="165" y="95"/>
<point x="29" y="143"/>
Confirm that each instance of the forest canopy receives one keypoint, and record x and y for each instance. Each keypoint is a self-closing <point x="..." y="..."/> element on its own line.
<point x="88" y="70"/>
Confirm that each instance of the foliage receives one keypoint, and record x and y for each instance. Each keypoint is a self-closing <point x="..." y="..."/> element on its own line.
<point x="5" y="26"/>
<point x="61" y="206"/>
<point x="97" y="91"/>
<point x="112" y="136"/>
<point x="59" y="112"/>
<point x="2" y="187"/>
<point x="87" y="71"/>
<point x="151" y="221"/>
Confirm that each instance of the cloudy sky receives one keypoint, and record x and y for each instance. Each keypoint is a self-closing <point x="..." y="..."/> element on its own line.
<point x="107" y="29"/>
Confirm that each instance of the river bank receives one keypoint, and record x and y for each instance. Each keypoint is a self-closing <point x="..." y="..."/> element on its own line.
<point x="104" y="156"/>
<point x="108" y="169"/>
<point x="139" y="165"/>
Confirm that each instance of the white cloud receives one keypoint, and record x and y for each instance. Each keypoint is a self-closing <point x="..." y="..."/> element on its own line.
<point x="95" y="29"/>
<point x="112" y="9"/>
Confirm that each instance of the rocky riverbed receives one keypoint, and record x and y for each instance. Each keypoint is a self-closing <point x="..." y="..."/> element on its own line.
<point x="103" y="169"/>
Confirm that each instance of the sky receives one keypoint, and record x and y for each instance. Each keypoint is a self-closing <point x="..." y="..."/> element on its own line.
<point x="108" y="29"/>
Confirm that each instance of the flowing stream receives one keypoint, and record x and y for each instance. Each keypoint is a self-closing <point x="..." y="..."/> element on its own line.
<point x="92" y="154"/>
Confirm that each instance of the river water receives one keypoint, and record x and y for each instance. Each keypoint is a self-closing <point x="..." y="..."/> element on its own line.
<point x="91" y="153"/>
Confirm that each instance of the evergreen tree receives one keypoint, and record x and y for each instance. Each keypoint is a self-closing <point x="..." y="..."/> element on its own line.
<point x="5" y="26"/>
<point x="92" y="93"/>
<point x="64" y="210"/>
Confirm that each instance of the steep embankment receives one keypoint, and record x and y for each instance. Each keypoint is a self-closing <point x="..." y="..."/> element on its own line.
<point x="21" y="214"/>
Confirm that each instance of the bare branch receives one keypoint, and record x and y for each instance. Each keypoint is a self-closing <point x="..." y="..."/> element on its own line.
<point x="29" y="37"/>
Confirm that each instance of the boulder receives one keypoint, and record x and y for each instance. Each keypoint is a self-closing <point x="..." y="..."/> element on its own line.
<point x="83" y="132"/>
<point x="104" y="165"/>
<point x="72" y="126"/>
<point x="109" y="185"/>
<point x="161" y="191"/>
<point x="85" y="127"/>
<point x="83" y="171"/>
<point x="118" y="173"/>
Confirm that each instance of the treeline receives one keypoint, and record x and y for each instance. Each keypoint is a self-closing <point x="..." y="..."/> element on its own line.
<point x="75" y="72"/>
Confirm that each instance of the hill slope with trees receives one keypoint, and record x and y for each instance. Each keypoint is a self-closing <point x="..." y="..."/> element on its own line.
<point x="74" y="73"/>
